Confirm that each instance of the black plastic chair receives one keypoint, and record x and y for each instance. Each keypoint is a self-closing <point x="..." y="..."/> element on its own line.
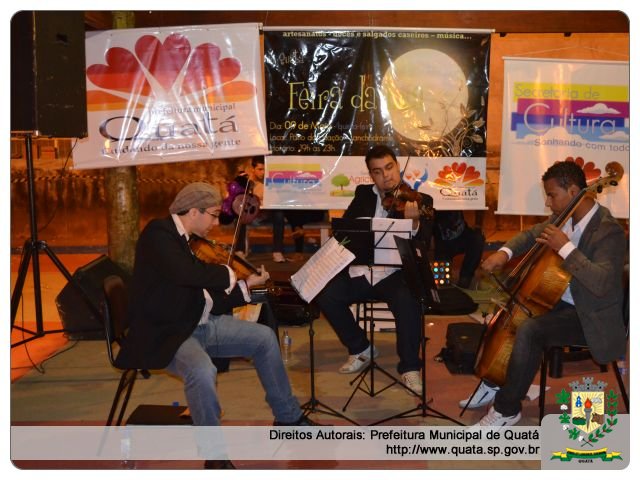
<point x="115" y="324"/>
<point x="543" y="379"/>
<point x="553" y="357"/>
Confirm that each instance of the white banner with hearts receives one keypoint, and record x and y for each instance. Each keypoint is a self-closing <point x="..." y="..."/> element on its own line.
<point x="173" y="94"/>
<point x="454" y="183"/>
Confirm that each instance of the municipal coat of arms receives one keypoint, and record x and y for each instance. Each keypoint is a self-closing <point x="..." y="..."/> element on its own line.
<point x="588" y="414"/>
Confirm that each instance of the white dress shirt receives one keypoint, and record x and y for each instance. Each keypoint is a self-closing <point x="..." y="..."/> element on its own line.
<point x="375" y="273"/>
<point x="208" y="301"/>
<point x="574" y="233"/>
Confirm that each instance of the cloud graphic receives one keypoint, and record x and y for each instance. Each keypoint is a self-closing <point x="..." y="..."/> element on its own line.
<point x="306" y="175"/>
<point x="599" y="109"/>
<point x="556" y="132"/>
<point x="165" y="70"/>
<point x="617" y="136"/>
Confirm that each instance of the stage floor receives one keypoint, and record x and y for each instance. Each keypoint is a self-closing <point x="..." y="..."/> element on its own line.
<point x="61" y="382"/>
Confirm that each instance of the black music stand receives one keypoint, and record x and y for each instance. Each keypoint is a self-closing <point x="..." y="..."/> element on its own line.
<point x="417" y="273"/>
<point x="31" y="250"/>
<point x="313" y="405"/>
<point x="368" y="246"/>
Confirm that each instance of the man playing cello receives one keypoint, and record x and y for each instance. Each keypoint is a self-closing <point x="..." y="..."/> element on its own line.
<point x="592" y="245"/>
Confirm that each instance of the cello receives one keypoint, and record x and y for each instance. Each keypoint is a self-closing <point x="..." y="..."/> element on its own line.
<point x="533" y="288"/>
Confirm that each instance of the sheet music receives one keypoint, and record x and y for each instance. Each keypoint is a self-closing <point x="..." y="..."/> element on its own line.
<point x="325" y="264"/>
<point x="386" y="252"/>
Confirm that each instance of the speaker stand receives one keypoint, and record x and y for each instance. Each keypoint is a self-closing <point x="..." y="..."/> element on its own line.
<point x="30" y="253"/>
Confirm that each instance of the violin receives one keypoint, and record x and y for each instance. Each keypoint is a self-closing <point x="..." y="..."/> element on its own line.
<point x="213" y="252"/>
<point x="395" y="200"/>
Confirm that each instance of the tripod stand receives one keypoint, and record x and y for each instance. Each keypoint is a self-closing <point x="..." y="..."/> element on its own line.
<point x="373" y="365"/>
<point x="417" y="273"/>
<point x="313" y="405"/>
<point x="31" y="250"/>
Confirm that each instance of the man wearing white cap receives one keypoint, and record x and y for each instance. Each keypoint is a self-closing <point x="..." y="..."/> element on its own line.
<point x="177" y="313"/>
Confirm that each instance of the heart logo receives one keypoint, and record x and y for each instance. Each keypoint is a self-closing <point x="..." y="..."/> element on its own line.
<point x="206" y="70"/>
<point x="163" y="60"/>
<point x="470" y="174"/>
<point x="122" y="72"/>
<point x="446" y="174"/>
<point x="459" y="173"/>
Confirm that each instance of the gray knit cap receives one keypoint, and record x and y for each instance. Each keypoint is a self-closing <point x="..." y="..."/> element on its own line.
<point x="196" y="195"/>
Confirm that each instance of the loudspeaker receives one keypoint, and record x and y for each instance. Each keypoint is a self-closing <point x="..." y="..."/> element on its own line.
<point x="48" y="83"/>
<point x="78" y="319"/>
<point x="463" y="342"/>
<point x="453" y="301"/>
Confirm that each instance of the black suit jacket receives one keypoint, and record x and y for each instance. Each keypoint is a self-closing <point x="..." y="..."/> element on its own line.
<point x="165" y="297"/>
<point x="364" y="205"/>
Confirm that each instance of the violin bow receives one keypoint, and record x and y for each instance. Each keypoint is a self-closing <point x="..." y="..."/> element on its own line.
<point x="248" y="187"/>
<point x="406" y="164"/>
<point x="404" y="170"/>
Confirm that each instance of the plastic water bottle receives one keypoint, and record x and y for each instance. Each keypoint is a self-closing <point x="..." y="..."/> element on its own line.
<point x="622" y="365"/>
<point x="125" y="451"/>
<point x="286" y="347"/>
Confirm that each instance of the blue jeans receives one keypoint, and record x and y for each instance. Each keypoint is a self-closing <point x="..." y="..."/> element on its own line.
<point x="223" y="336"/>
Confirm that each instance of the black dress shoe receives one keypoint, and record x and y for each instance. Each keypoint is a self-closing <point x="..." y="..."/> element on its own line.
<point x="219" y="465"/>
<point x="303" y="421"/>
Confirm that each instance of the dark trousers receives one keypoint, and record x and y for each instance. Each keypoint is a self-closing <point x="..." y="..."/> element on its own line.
<point x="296" y="219"/>
<point x="470" y="243"/>
<point x="342" y="291"/>
<point x="561" y="326"/>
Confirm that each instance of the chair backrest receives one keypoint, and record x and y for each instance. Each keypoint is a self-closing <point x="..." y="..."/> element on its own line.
<point x="115" y="311"/>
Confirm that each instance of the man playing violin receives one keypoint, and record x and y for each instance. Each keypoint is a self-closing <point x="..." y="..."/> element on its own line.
<point x="592" y="245"/>
<point x="178" y="313"/>
<point x="358" y="284"/>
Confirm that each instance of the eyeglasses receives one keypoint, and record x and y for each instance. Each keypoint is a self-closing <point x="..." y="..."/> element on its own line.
<point x="215" y="214"/>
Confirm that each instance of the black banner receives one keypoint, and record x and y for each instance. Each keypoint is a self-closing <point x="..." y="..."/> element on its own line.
<point x="337" y="93"/>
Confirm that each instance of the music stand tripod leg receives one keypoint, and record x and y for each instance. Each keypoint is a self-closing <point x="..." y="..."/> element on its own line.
<point x="423" y="409"/>
<point x="373" y="365"/>
<point x="312" y="405"/>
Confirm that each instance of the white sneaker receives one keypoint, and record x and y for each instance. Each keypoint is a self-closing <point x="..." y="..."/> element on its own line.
<point x="413" y="381"/>
<point x="278" y="257"/>
<point x="356" y="363"/>
<point x="483" y="396"/>
<point x="496" y="419"/>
